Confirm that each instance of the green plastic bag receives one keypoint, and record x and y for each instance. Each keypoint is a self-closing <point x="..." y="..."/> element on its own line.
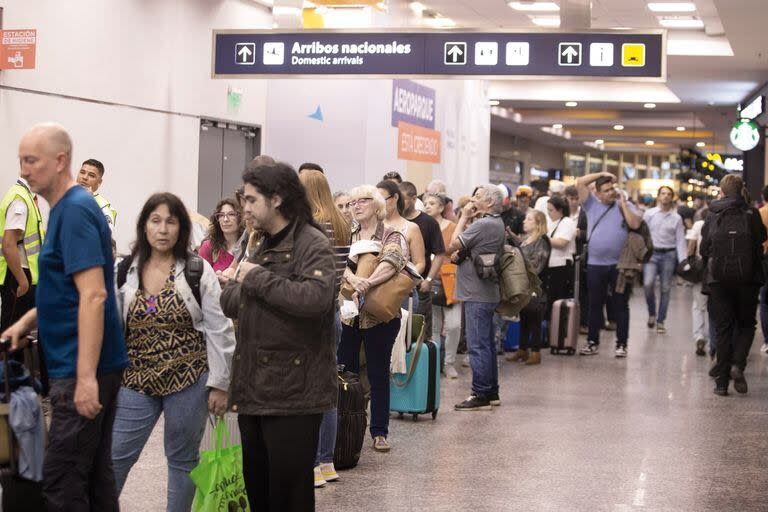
<point x="219" y="476"/>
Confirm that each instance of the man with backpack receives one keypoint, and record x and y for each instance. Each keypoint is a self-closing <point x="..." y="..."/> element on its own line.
<point x="732" y="247"/>
<point x="609" y="216"/>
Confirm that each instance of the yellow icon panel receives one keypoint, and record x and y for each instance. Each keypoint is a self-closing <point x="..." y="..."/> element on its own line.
<point x="633" y="55"/>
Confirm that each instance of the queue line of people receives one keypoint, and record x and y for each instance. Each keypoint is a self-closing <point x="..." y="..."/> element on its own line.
<point x="181" y="333"/>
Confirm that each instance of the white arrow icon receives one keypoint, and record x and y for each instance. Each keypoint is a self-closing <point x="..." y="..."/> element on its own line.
<point x="570" y="53"/>
<point x="244" y="53"/>
<point x="455" y="52"/>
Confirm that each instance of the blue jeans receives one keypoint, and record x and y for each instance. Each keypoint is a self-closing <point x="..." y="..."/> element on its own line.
<point x="378" y="342"/>
<point x="662" y="264"/>
<point x="482" y="347"/>
<point x="764" y="311"/>
<point x="326" y="444"/>
<point x="185" y="414"/>
<point x="601" y="281"/>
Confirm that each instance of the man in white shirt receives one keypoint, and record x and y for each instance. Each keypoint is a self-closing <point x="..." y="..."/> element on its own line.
<point x="669" y="248"/>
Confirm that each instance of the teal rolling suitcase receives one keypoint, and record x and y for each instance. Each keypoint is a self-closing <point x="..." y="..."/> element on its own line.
<point x="418" y="391"/>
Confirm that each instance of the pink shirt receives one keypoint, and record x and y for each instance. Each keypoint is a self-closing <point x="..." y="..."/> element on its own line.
<point x="225" y="258"/>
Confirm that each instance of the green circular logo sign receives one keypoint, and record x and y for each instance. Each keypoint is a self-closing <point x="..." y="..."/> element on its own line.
<point x="745" y="134"/>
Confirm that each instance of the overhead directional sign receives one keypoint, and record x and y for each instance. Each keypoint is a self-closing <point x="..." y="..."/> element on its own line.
<point x="489" y="54"/>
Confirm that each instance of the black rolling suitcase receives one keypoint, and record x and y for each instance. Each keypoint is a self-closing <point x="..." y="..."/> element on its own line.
<point x="352" y="421"/>
<point x="18" y="494"/>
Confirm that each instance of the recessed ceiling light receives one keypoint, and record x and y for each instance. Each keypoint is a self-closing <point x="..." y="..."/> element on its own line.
<point x="671" y="6"/>
<point x="700" y="144"/>
<point x="546" y="21"/>
<point x="599" y="142"/>
<point x="681" y="22"/>
<point x="417" y="7"/>
<point x="571" y="104"/>
<point x="618" y="127"/>
<point x="649" y="143"/>
<point x="494" y="103"/>
<point x="649" y="105"/>
<point x="557" y="126"/>
<point x="534" y="6"/>
<point x="680" y="128"/>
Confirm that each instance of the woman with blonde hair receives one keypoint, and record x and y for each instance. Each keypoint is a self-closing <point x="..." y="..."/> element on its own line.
<point x="369" y="209"/>
<point x="536" y="249"/>
<point x="328" y="216"/>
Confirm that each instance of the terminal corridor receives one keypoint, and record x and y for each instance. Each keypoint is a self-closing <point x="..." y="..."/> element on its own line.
<point x="573" y="434"/>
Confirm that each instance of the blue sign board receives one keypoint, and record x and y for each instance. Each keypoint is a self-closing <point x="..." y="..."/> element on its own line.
<point x="413" y="103"/>
<point x="619" y="54"/>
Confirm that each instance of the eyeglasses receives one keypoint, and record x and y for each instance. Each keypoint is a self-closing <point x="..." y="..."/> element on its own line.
<point x="361" y="202"/>
<point x="227" y="215"/>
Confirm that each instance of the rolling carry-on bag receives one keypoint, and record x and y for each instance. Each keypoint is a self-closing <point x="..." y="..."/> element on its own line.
<point x="417" y="391"/>
<point x="564" y="324"/>
<point x="18" y="494"/>
<point x="352" y="421"/>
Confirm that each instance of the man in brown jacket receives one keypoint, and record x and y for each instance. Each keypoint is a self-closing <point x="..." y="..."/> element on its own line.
<point x="284" y="367"/>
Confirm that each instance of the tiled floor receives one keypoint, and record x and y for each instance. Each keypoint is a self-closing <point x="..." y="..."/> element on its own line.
<point x="574" y="434"/>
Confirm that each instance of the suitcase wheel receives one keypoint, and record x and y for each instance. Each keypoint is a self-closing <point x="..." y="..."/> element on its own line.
<point x="553" y="351"/>
<point x="400" y="415"/>
<point x="434" y="415"/>
<point x="571" y="351"/>
<point x="415" y="417"/>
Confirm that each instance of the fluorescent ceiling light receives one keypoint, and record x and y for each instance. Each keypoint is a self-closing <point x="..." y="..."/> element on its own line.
<point x="557" y="126"/>
<point x="649" y="143"/>
<point x="700" y="144"/>
<point x="534" y="6"/>
<point x="649" y="105"/>
<point x="494" y="103"/>
<point x="618" y="127"/>
<point x="417" y="7"/>
<point x="280" y="10"/>
<point x="680" y="128"/>
<point x="688" y="22"/>
<point x="599" y="142"/>
<point x="571" y="104"/>
<point x="546" y="21"/>
<point x="671" y="6"/>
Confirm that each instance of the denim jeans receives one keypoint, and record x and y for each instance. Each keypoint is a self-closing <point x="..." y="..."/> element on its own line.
<point x="481" y="347"/>
<point x="601" y="281"/>
<point x="329" y="425"/>
<point x="378" y="342"/>
<point x="661" y="264"/>
<point x="764" y="312"/>
<point x="446" y="321"/>
<point x="185" y="414"/>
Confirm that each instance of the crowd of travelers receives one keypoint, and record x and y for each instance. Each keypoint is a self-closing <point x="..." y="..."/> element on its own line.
<point x="251" y="310"/>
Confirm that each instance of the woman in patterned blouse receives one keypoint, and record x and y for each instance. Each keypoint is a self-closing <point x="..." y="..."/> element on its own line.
<point x="180" y="350"/>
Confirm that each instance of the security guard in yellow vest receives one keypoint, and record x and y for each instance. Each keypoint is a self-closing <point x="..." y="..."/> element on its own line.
<point x="22" y="228"/>
<point x="90" y="176"/>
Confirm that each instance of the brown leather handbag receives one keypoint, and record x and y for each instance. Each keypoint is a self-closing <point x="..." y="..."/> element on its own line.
<point x="382" y="301"/>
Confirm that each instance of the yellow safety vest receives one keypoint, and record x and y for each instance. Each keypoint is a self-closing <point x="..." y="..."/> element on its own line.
<point x="106" y="205"/>
<point x="34" y="234"/>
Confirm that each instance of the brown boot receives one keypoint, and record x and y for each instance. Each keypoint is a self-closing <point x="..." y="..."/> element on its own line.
<point x="519" y="355"/>
<point x="535" y="358"/>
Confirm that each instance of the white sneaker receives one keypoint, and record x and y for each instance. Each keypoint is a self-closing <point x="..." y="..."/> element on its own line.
<point x="465" y="363"/>
<point x="621" y="351"/>
<point x="319" y="480"/>
<point x="590" y="350"/>
<point x="451" y="372"/>
<point x="764" y="348"/>
<point x="329" y="472"/>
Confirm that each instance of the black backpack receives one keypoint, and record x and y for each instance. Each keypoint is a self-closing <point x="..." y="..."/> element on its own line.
<point x="733" y="249"/>
<point x="193" y="273"/>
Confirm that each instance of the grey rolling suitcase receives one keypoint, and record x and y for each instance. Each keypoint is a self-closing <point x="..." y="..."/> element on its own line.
<point x="564" y="324"/>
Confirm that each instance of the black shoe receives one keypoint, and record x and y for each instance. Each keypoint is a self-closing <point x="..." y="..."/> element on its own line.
<point x="713" y="371"/>
<point x="494" y="399"/>
<point x="474" y="403"/>
<point x="739" y="382"/>
<point x="721" y="390"/>
<point x="700" y="344"/>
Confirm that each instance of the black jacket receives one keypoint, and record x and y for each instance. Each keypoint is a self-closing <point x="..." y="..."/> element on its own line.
<point x="758" y="236"/>
<point x="285" y="359"/>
